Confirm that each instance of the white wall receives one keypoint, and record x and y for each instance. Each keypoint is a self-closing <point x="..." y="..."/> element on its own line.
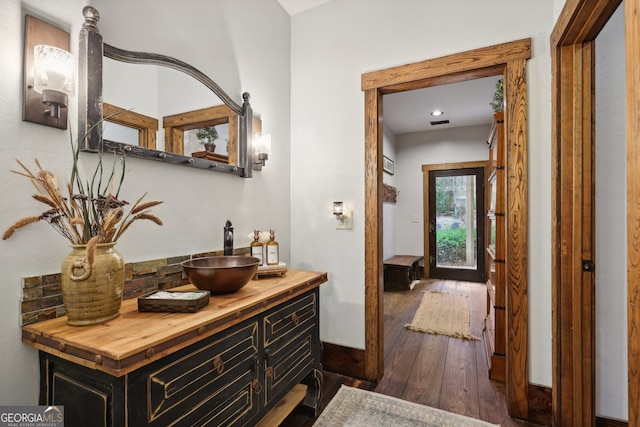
<point x="389" y="209"/>
<point x="466" y="144"/>
<point x="611" y="222"/>
<point x="244" y="46"/>
<point x="332" y="45"/>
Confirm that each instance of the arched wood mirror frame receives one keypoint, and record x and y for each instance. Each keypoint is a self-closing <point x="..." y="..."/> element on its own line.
<point x="92" y="51"/>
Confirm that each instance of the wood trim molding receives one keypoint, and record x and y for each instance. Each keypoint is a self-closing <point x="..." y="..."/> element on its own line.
<point x="373" y="306"/>
<point x="175" y="125"/>
<point x="516" y="222"/>
<point x="147" y="126"/>
<point x="632" y="53"/>
<point x="540" y="405"/>
<point x="473" y="60"/>
<point x="506" y="58"/>
<point x="573" y="295"/>
<point x="343" y="360"/>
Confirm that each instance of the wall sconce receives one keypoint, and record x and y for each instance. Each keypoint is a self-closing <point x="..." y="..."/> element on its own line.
<point x="49" y="74"/>
<point x="343" y="217"/>
<point x="261" y="150"/>
<point x="53" y="77"/>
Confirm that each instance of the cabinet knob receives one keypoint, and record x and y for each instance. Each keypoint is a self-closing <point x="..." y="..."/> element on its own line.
<point x="257" y="387"/>
<point x="295" y="318"/>
<point x="218" y="364"/>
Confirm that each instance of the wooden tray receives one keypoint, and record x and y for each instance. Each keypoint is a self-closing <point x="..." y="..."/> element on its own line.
<point x="174" y="302"/>
<point x="270" y="270"/>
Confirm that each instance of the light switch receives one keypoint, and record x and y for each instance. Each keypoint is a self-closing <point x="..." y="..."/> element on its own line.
<point x="345" y="221"/>
<point x="415" y="218"/>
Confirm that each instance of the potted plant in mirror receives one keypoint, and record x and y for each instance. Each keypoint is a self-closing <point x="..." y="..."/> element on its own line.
<point x="92" y="217"/>
<point x="207" y="135"/>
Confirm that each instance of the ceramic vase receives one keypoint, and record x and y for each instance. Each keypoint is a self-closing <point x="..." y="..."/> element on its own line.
<point x="92" y="293"/>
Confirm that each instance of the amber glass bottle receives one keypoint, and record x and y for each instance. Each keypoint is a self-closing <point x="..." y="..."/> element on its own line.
<point x="273" y="249"/>
<point x="257" y="248"/>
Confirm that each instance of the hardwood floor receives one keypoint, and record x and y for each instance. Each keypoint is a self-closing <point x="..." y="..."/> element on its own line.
<point x="433" y="370"/>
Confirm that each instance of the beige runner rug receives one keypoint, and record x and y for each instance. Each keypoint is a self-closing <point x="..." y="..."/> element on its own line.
<point x="443" y="314"/>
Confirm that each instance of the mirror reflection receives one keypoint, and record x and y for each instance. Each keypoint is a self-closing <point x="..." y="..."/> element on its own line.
<point x="159" y="108"/>
<point x="150" y="94"/>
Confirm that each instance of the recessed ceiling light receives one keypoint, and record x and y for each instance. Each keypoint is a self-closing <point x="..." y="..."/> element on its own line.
<point x="437" y="113"/>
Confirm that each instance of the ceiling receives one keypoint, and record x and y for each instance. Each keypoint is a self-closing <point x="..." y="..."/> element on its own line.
<point x="296" y="6"/>
<point x="464" y="103"/>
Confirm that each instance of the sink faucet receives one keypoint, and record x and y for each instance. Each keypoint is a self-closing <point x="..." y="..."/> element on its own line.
<point x="228" y="238"/>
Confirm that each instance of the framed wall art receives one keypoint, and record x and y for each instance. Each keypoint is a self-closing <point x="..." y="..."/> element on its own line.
<point x="387" y="165"/>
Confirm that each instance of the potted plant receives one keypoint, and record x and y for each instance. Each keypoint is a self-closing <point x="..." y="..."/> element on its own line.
<point x="497" y="103"/>
<point x="90" y="215"/>
<point x="207" y="135"/>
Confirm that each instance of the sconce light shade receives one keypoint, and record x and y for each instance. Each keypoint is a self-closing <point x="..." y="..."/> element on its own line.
<point x="338" y="208"/>
<point x="54" y="76"/>
<point x="261" y="150"/>
<point x="49" y="73"/>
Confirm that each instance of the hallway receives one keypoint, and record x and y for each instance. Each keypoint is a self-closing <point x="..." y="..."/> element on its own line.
<point x="434" y="370"/>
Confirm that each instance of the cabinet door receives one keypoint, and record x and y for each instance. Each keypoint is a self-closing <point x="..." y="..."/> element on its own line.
<point x="213" y="382"/>
<point x="89" y="397"/>
<point x="291" y="343"/>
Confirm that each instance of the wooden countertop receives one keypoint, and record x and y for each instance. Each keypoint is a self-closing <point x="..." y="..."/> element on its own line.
<point x="135" y="339"/>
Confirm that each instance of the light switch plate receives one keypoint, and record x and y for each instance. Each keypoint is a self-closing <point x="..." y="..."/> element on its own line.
<point x="346" y="222"/>
<point x="415" y="218"/>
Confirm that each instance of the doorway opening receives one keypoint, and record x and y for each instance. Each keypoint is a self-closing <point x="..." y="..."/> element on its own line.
<point x="508" y="59"/>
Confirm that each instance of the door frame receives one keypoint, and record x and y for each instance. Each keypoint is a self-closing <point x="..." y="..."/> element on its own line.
<point x="508" y="59"/>
<point x="573" y="296"/>
<point x="426" y="206"/>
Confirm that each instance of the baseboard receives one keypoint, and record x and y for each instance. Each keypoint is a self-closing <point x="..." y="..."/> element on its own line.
<point x="540" y="405"/>
<point x="343" y="360"/>
<point x="609" y="422"/>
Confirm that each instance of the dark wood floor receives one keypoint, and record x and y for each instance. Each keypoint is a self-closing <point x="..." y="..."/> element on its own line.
<point x="433" y="370"/>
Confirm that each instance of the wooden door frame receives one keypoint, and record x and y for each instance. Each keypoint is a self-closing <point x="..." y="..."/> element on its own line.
<point x="426" y="206"/>
<point x="573" y="74"/>
<point x="508" y="59"/>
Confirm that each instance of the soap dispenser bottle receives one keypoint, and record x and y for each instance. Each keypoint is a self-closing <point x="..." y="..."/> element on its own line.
<point x="273" y="249"/>
<point x="257" y="248"/>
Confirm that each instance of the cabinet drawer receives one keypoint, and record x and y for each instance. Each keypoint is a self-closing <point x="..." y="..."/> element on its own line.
<point x="286" y="322"/>
<point x="291" y="346"/>
<point x="210" y="382"/>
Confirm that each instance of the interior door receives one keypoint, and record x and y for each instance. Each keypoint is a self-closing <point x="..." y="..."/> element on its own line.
<point x="456" y="224"/>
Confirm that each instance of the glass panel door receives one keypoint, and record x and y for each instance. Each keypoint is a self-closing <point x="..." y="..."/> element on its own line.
<point x="456" y="221"/>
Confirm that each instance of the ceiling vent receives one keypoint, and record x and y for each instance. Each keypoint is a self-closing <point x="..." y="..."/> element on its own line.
<point x="440" y="122"/>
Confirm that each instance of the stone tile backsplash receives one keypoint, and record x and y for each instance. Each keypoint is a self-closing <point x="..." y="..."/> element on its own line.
<point x="42" y="296"/>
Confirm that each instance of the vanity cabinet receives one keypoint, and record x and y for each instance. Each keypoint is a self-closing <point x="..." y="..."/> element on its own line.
<point x="230" y="367"/>
<point x="495" y="328"/>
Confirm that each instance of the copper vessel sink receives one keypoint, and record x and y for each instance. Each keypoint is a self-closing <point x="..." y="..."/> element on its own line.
<point x="221" y="274"/>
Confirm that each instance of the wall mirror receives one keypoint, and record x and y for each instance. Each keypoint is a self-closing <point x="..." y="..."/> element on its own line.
<point x="171" y="126"/>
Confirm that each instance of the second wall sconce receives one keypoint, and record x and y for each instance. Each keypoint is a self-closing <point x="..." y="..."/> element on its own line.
<point x="261" y="150"/>
<point x="49" y="74"/>
<point x="343" y="217"/>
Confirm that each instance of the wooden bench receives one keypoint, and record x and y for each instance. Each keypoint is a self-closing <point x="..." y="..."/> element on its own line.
<point x="400" y="271"/>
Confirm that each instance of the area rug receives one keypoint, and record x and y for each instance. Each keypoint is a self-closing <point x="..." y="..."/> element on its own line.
<point x="354" y="407"/>
<point x="443" y="314"/>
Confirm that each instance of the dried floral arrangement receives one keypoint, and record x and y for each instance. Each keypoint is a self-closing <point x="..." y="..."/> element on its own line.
<point x="92" y="213"/>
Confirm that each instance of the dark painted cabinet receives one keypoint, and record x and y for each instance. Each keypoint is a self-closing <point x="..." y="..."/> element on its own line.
<point x="231" y="378"/>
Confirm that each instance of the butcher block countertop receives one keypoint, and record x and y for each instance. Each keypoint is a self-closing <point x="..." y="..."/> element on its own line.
<point x="135" y="339"/>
